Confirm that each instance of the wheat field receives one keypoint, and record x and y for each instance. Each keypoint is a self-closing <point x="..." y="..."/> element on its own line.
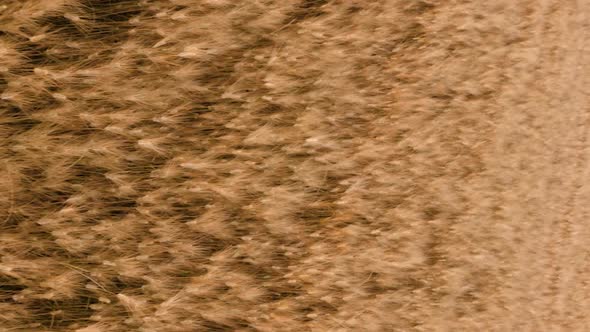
<point x="294" y="165"/>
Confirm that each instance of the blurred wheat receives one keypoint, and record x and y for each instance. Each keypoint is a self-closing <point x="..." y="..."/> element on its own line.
<point x="262" y="165"/>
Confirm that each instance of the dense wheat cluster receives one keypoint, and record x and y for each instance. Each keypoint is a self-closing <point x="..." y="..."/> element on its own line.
<point x="293" y="165"/>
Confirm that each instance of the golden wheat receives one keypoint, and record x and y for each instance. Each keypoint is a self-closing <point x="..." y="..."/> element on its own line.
<point x="292" y="165"/>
